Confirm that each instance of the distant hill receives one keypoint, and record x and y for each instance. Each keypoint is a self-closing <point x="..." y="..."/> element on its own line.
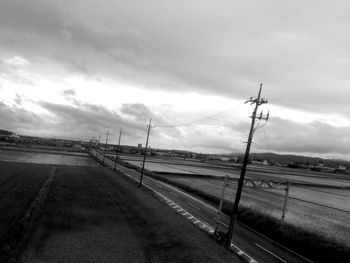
<point x="289" y="158"/>
<point x="5" y="132"/>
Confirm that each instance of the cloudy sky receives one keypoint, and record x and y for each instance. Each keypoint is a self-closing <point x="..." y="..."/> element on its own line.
<point x="75" y="68"/>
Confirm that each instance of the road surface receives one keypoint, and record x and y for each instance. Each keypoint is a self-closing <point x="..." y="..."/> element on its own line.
<point x="258" y="247"/>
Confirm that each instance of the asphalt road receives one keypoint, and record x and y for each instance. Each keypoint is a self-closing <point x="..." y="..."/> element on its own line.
<point x="258" y="247"/>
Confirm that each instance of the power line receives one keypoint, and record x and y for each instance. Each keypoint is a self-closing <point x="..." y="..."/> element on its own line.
<point x="211" y="117"/>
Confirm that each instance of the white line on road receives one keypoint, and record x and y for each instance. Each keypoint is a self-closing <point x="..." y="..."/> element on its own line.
<point x="268" y="251"/>
<point x="222" y="223"/>
<point x="193" y="205"/>
<point x="240" y="252"/>
<point x="158" y="185"/>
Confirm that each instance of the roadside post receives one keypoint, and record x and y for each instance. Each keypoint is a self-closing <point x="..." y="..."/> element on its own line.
<point x="221" y="202"/>
<point x="285" y="200"/>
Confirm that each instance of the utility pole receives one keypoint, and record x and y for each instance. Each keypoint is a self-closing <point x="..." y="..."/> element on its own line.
<point x="117" y="154"/>
<point x="98" y="145"/>
<point x="104" y="152"/>
<point x="285" y="201"/>
<point x="145" y="153"/>
<point x="258" y="101"/>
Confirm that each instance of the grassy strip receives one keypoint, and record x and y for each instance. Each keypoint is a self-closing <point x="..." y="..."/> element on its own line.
<point x="310" y="245"/>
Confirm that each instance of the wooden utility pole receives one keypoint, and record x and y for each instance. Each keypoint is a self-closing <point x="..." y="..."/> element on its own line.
<point x="104" y="152"/>
<point x="145" y="153"/>
<point x="117" y="154"/>
<point x="285" y="200"/>
<point x="258" y="101"/>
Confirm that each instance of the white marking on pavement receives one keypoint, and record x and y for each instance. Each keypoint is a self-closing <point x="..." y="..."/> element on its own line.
<point x="222" y="223"/>
<point x="241" y="252"/>
<point x="268" y="251"/>
<point x="172" y="204"/>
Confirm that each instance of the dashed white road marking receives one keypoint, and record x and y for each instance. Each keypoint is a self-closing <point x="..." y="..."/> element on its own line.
<point x="241" y="253"/>
<point x="183" y="212"/>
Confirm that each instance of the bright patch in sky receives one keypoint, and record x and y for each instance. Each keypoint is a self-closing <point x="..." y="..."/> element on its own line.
<point x="76" y="68"/>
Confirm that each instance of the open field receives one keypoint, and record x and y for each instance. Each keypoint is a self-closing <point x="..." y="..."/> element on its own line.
<point x="330" y="222"/>
<point x="281" y="174"/>
<point x="45" y="158"/>
<point x="93" y="215"/>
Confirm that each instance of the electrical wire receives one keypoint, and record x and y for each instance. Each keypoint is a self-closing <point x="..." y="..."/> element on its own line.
<point x="211" y="117"/>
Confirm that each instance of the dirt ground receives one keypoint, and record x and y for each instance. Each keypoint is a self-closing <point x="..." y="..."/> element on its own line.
<point x="94" y="215"/>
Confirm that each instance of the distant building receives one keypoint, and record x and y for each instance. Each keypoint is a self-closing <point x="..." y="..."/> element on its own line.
<point x="340" y="169"/>
<point x="78" y="147"/>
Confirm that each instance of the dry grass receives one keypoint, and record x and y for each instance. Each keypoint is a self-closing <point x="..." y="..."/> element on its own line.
<point x="331" y="223"/>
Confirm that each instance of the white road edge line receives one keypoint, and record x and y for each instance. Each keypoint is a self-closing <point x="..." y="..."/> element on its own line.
<point x="268" y="251"/>
<point x="241" y="252"/>
<point x="167" y="199"/>
<point x="221" y="223"/>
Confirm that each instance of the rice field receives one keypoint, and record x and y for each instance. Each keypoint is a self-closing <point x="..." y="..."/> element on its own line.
<point x="190" y="167"/>
<point x="315" y="215"/>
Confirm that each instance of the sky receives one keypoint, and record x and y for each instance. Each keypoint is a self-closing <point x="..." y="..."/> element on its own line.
<point x="75" y="68"/>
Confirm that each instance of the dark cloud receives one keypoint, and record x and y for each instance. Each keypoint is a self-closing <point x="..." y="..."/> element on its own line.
<point x="21" y="121"/>
<point x="316" y="137"/>
<point x="299" y="50"/>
